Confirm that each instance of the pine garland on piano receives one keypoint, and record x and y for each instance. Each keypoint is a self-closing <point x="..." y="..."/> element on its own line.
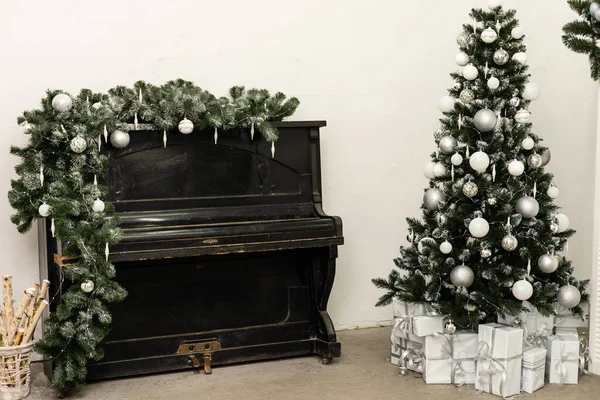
<point x="62" y="176"/>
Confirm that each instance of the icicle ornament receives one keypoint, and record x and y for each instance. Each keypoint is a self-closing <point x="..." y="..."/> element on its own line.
<point x="52" y="228"/>
<point x="95" y="181"/>
<point x="494" y="173"/>
<point x="105" y="134"/>
<point x="62" y="127"/>
<point x="140" y="96"/>
<point x="273" y="149"/>
<point x="135" y="121"/>
<point x="164" y="138"/>
<point x="252" y="131"/>
<point x="534" y="189"/>
<point x="529" y="268"/>
<point x="216" y="135"/>
<point x="486" y="70"/>
<point x="452" y="172"/>
<point x="467" y="152"/>
<point x="42" y="175"/>
<point x="106" y="251"/>
<point x="460" y="121"/>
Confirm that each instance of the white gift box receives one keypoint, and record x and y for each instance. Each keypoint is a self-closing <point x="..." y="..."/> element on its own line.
<point x="532" y="321"/>
<point x="450" y="358"/>
<point x="409" y="327"/>
<point x="534" y="367"/>
<point x="403" y="329"/>
<point x="565" y="319"/>
<point x="562" y="359"/>
<point x="499" y="359"/>
<point x="403" y="309"/>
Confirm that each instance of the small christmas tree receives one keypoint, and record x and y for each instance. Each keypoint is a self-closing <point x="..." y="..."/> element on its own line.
<point x="490" y="233"/>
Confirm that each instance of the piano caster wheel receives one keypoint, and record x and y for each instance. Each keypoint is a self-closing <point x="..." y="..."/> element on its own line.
<point x="326" y="360"/>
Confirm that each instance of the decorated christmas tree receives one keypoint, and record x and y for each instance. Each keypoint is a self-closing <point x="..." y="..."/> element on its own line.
<point x="490" y="236"/>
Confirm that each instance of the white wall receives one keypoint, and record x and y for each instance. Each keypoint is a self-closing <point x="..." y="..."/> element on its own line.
<point x="373" y="69"/>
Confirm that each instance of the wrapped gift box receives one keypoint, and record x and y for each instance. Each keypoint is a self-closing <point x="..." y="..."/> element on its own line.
<point x="532" y="321"/>
<point x="409" y="327"/>
<point x="562" y="359"/>
<point x="450" y="358"/>
<point x="534" y="367"/>
<point x="499" y="359"/>
<point x="402" y="309"/>
<point x="402" y="341"/>
<point x="565" y="319"/>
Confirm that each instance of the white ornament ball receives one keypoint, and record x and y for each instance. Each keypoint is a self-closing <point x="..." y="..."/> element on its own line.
<point x="98" y="205"/>
<point x="548" y="263"/>
<point x="531" y="91"/>
<point x="462" y="58"/>
<point x="62" y="102"/>
<point x="421" y="244"/>
<point x="489" y="35"/>
<point x="447" y="144"/>
<point x="527" y="206"/>
<point x="593" y="8"/>
<point x="501" y="57"/>
<point x="522" y="290"/>
<point x="439" y="170"/>
<point x="479" y="227"/>
<point x="479" y="161"/>
<point x="446" y="247"/>
<point x="523" y="116"/>
<point x="186" y="126"/>
<point x="493" y="83"/>
<point x="87" y="286"/>
<point x="446" y="104"/>
<point x="563" y="222"/>
<point x="470" y="72"/>
<point x="494" y="4"/>
<point x="485" y="120"/>
<point x="553" y="192"/>
<point x="456" y="159"/>
<point x="78" y="144"/>
<point x="516" y="168"/>
<point x="517" y="33"/>
<point x="597" y="15"/>
<point x="527" y="143"/>
<point x="428" y="170"/>
<point x="44" y="210"/>
<point x="510" y="243"/>
<point x="119" y="139"/>
<point x="461" y="275"/>
<point x="520" y="58"/>
<point x="569" y="296"/>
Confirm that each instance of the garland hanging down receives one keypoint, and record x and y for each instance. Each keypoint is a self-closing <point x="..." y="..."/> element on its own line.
<point x="583" y="36"/>
<point x="62" y="177"/>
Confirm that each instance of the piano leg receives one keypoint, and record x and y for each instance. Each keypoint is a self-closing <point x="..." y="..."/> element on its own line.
<point x="326" y="344"/>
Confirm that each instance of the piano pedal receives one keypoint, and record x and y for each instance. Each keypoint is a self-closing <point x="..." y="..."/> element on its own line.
<point x="203" y="348"/>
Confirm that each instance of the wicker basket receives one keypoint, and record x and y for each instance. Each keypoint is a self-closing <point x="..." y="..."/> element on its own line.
<point x="15" y="372"/>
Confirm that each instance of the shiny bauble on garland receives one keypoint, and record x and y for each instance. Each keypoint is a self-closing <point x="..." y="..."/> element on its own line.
<point x="432" y="199"/>
<point x="62" y="102"/>
<point x="466" y="96"/>
<point x="447" y="144"/>
<point x="552" y="192"/>
<point x="422" y="242"/>
<point x="522" y="290"/>
<point x="493" y="83"/>
<point x="486" y="253"/>
<point x="485" y="120"/>
<point x="470" y="189"/>
<point x="186" y="126"/>
<point x="563" y="222"/>
<point x="501" y="57"/>
<point x="548" y="263"/>
<point x="546" y="156"/>
<point x="568" y="296"/>
<point x="527" y="143"/>
<point x="439" y="170"/>
<point x="509" y="243"/>
<point x="489" y="35"/>
<point x="523" y="116"/>
<point x="449" y="327"/>
<point x="470" y="72"/>
<point x="462" y="275"/>
<point x="531" y="91"/>
<point x="119" y="139"/>
<point x="98" y="205"/>
<point x="456" y="159"/>
<point x="446" y="104"/>
<point x="78" y="144"/>
<point x="534" y="161"/>
<point x="87" y="286"/>
<point x="446" y="247"/>
<point x="520" y="58"/>
<point x="428" y="170"/>
<point x="463" y="39"/>
<point x="479" y="227"/>
<point x="517" y="33"/>
<point x="44" y="210"/>
<point x="527" y="206"/>
<point x="514" y="102"/>
<point x="516" y="168"/>
<point x="462" y="58"/>
<point x="479" y="161"/>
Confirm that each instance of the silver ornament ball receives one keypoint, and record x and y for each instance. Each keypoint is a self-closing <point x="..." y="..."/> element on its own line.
<point x="546" y="156"/>
<point x="548" y="263"/>
<point x="485" y="120"/>
<point x="501" y="57"/>
<point x="78" y="144"/>
<point x="447" y="144"/>
<point x="44" y="210"/>
<point x="463" y="39"/>
<point x="432" y="199"/>
<point x="449" y="327"/>
<point x="509" y="243"/>
<point x="87" y="286"/>
<point x="593" y="8"/>
<point x="186" y="126"/>
<point x="470" y="189"/>
<point x="534" y="161"/>
<point x="522" y="116"/>
<point x="514" y="102"/>
<point x="62" y="102"/>
<point x="462" y="275"/>
<point x="466" y="96"/>
<point x="119" y="139"/>
<point x="527" y="206"/>
<point x="568" y="296"/>
<point x="486" y="253"/>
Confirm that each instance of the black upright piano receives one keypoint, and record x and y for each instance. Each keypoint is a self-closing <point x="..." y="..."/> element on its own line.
<point x="226" y="254"/>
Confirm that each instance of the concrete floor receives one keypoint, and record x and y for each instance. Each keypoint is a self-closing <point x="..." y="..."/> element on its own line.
<point x="363" y="372"/>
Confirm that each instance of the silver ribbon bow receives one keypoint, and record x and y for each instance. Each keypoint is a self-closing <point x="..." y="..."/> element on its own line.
<point x="584" y="356"/>
<point x="403" y="325"/>
<point x="458" y="369"/>
<point x="539" y="338"/>
<point x="411" y="359"/>
<point x="488" y="367"/>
